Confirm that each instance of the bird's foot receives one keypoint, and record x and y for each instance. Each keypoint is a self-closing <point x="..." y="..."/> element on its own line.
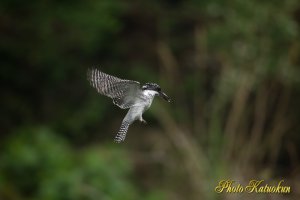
<point x="143" y="121"/>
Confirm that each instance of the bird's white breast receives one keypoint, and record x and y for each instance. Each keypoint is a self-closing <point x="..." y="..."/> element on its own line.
<point x="150" y="93"/>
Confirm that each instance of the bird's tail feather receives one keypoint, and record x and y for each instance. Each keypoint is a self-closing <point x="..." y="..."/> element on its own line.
<point x="120" y="137"/>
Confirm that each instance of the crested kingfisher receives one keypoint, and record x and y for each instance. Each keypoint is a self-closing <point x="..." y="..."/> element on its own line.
<point x="126" y="94"/>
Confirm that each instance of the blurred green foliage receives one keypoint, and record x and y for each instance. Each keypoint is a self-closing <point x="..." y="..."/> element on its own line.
<point x="41" y="45"/>
<point x="40" y="165"/>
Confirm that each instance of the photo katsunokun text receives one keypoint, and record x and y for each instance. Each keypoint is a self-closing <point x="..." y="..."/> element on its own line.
<point x="254" y="186"/>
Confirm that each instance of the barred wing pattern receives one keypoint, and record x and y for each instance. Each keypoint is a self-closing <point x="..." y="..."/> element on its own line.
<point x="123" y="92"/>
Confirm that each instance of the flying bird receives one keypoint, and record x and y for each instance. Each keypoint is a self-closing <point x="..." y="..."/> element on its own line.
<point x="126" y="94"/>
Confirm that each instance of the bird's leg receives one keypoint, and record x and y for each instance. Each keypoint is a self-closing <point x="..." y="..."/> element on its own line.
<point x="142" y="120"/>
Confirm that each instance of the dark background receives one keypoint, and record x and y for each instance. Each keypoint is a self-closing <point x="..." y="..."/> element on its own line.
<point x="230" y="67"/>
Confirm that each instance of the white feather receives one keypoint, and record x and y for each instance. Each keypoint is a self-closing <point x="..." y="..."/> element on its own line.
<point x="150" y="92"/>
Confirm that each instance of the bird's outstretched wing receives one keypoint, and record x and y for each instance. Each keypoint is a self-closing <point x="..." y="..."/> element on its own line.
<point x="124" y="93"/>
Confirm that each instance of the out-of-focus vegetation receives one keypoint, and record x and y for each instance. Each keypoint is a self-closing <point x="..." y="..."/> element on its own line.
<point x="40" y="165"/>
<point x="230" y="67"/>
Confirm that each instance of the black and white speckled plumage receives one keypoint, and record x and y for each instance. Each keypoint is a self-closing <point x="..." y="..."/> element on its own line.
<point x="120" y="137"/>
<point x="125" y="94"/>
<point x="119" y="90"/>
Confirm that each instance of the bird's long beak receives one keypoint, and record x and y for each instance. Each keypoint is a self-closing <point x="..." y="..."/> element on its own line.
<point x="164" y="96"/>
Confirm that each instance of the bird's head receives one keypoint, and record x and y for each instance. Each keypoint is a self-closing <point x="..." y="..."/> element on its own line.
<point x="156" y="90"/>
